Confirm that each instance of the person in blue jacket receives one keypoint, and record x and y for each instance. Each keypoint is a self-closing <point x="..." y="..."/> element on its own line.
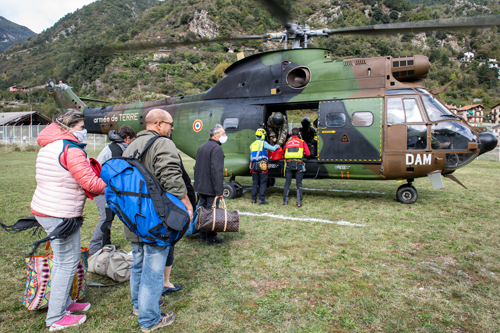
<point x="258" y="165"/>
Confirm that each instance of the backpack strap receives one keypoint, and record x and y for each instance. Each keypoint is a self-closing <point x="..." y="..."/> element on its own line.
<point x="148" y="144"/>
<point x="116" y="150"/>
<point x="155" y="192"/>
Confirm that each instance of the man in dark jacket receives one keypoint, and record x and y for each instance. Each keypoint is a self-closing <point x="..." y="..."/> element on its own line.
<point x="209" y="176"/>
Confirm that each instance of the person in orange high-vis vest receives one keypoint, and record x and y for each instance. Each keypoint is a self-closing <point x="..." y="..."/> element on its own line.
<point x="295" y="150"/>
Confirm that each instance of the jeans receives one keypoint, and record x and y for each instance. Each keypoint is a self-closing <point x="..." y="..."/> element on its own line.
<point x="102" y="232"/>
<point x="66" y="258"/>
<point x="146" y="281"/>
<point x="207" y="202"/>
<point x="259" y="177"/>
<point x="289" y="174"/>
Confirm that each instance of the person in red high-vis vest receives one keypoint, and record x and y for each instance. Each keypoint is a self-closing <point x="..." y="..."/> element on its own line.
<point x="295" y="150"/>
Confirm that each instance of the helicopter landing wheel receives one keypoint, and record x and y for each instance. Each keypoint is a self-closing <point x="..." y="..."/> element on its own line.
<point x="228" y="191"/>
<point x="231" y="190"/>
<point x="407" y="194"/>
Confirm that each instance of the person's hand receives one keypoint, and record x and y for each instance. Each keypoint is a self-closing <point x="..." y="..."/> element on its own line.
<point x="219" y="197"/>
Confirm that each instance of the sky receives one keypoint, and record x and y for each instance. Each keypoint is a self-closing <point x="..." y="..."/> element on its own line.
<point x="38" y="15"/>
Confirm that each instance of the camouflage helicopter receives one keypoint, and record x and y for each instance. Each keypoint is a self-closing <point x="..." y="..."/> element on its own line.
<point x="375" y="119"/>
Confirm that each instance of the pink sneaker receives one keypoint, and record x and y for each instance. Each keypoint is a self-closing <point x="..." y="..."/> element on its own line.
<point x="78" y="307"/>
<point x="68" y="321"/>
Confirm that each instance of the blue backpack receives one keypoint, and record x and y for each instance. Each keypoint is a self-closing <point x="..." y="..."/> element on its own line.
<point x="135" y="195"/>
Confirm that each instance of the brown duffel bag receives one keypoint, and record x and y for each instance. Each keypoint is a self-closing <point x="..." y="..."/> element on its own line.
<point x="218" y="219"/>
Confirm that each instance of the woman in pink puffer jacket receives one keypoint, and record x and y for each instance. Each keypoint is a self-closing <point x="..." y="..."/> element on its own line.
<point x="63" y="174"/>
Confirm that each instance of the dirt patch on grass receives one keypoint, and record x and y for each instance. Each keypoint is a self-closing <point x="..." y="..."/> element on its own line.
<point x="265" y="286"/>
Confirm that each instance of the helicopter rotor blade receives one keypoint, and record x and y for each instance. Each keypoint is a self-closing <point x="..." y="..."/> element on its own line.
<point x="419" y="26"/>
<point x="106" y="50"/>
<point x="276" y="10"/>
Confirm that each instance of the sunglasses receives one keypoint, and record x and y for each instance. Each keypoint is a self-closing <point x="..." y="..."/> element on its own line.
<point x="165" y="122"/>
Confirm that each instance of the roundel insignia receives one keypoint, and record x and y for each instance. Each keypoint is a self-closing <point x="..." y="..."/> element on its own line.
<point x="197" y="125"/>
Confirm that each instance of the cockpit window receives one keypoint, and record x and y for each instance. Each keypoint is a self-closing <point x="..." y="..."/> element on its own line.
<point x="395" y="111"/>
<point x="397" y="108"/>
<point x="451" y="135"/>
<point x="436" y="110"/>
<point x="411" y="110"/>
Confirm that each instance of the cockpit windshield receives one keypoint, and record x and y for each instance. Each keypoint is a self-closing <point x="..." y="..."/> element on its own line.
<point x="435" y="110"/>
<point x="451" y="135"/>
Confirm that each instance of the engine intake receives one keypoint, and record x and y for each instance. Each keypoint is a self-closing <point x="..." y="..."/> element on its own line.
<point x="410" y="68"/>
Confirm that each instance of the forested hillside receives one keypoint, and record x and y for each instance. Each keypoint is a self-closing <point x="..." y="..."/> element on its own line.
<point x="145" y="74"/>
<point x="12" y="33"/>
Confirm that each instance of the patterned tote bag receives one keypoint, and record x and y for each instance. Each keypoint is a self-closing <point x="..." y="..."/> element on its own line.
<point x="37" y="291"/>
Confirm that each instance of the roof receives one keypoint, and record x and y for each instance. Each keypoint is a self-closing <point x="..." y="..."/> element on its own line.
<point x="495" y="106"/>
<point x="12" y="118"/>
<point x="468" y="107"/>
<point x="497" y="126"/>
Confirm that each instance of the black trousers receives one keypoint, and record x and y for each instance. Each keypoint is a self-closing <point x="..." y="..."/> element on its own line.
<point x="207" y="202"/>
<point x="298" y="175"/>
<point x="259" y="178"/>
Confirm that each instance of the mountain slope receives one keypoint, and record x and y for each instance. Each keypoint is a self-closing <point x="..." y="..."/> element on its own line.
<point x="143" y="74"/>
<point x="12" y="33"/>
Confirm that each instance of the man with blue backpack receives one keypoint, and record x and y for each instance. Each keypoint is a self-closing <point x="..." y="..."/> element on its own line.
<point x="162" y="161"/>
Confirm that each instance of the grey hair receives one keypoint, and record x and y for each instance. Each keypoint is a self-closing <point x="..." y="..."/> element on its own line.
<point x="215" y="129"/>
<point x="70" y="118"/>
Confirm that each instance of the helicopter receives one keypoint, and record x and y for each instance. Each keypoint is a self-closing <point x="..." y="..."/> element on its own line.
<point x="376" y="121"/>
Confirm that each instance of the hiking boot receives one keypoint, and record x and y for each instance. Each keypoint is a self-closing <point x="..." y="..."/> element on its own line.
<point x="285" y="203"/>
<point x="160" y="303"/>
<point x="78" y="307"/>
<point x="165" y="320"/>
<point x="263" y="202"/>
<point x="68" y="320"/>
<point x="299" y="203"/>
<point x="254" y="201"/>
<point x="214" y="241"/>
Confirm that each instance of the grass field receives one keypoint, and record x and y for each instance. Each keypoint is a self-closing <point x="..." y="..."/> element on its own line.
<point x="428" y="267"/>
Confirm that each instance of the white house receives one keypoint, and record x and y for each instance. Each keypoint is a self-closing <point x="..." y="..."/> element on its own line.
<point x="468" y="56"/>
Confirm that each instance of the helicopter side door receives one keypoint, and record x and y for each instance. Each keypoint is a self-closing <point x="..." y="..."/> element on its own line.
<point x="350" y="131"/>
<point x="407" y="147"/>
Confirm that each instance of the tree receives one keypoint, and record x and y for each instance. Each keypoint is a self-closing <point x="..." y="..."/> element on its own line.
<point x="483" y="74"/>
<point x="422" y="16"/>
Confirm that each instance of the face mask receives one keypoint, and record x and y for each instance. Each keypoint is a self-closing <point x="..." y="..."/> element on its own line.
<point x="223" y="139"/>
<point x="80" y="135"/>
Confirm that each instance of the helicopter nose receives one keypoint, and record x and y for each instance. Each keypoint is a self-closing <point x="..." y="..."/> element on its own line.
<point x="488" y="142"/>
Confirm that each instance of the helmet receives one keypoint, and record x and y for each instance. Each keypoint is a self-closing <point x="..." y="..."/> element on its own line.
<point x="306" y="122"/>
<point x="260" y="132"/>
<point x="278" y="118"/>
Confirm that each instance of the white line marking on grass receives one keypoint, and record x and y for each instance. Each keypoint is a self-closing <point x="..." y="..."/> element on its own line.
<point x="325" y="189"/>
<point x="303" y="219"/>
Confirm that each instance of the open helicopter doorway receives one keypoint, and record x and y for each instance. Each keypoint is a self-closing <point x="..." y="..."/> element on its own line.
<point x="294" y="117"/>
